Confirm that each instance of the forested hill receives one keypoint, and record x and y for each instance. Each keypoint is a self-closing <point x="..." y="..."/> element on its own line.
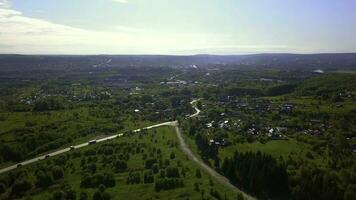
<point x="330" y="85"/>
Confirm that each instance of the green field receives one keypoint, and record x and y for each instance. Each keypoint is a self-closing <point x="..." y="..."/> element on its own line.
<point x="162" y="138"/>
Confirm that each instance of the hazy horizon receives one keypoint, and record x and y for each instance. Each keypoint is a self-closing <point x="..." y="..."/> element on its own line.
<point x="158" y="27"/>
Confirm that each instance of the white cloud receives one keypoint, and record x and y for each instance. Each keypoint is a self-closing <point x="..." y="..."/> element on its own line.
<point x="22" y="34"/>
<point x="120" y="1"/>
<point x="4" y="3"/>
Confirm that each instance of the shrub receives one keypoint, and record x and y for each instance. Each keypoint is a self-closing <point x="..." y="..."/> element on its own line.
<point x="20" y="187"/>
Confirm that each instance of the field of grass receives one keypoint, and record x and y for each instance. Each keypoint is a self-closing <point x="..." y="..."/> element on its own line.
<point x="162" y="138"/>
<point x="275" y="148"/>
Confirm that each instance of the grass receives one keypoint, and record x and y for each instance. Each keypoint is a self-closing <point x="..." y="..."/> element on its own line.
<point x="275" y="148"/>
<point x="154" y="138"/>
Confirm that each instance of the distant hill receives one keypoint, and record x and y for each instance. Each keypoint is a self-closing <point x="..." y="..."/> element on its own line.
<point x="330" y="85"/>
<point x="280" y="61"/>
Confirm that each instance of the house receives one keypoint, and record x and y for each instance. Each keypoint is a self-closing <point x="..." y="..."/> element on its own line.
<point x="209" y="125"/>
<point x="274" y="133"/>
<point x="287" y="108"/>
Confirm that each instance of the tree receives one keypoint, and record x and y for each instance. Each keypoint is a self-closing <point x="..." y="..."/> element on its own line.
<point x="20" y="187"/>
<point x="196" y="187"/>
<point x="240" y="196"/>
<point x="12" y="153"/>
<point x="106" y="196"/>
<point x="134" y="178"/>
<point x="199" y="105"/>
<point x="97" y="196"/>
<point x="2" y="188"/>
<point x="58" y="195"/>
<point x="102" y="188"/>
<point x="168" y="183"/>
<point x="350" y="193"/>
<point x="43" y="179"/>
<point x="172" y="172"/>
<point x="71" y="194"/>
<point x="198" y="173"/>
<point x="265" y="180"/>
<point x="148" y="177"/>
<point x="83" y="196"/>
<point x="57" y="173"/>
<point x="95" y="180"/>
<point x="101" y="196"/>
<point x="120" y="165"/>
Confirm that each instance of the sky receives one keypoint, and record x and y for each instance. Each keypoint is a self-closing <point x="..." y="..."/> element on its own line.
<point x="177" y="27"/>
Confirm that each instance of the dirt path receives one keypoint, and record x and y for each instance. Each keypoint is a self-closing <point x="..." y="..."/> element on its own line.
<point x="211" y="171"/>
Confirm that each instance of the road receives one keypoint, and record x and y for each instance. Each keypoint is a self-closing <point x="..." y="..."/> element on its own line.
<point x="39" y="158"/>
<point x="183" y="145"/>
<point x="222" y="179"/>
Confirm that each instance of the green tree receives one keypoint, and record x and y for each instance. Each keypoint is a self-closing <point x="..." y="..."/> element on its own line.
<point x="2" y="188"/>
<point x="198" y="173"/>
<point x="83" y="196"/>
<point x="240" y="196"/>
<point x="57" y="173"/>
<point x="43" y="179"/>
<point x="20" y="187"/>
<point x="58" y="195"/>
<point x="350" y="193"/>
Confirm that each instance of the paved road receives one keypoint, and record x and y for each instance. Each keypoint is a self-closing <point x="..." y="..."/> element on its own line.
<point x="39" y="158"/>
<point x="197" y="111"/>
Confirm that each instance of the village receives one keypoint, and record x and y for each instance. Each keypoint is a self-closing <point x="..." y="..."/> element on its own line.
<point x="256" y="118"/>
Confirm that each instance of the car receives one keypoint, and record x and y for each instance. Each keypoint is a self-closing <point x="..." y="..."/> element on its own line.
<point x="19" y="165"/>
<point x="47" y="156"/>
<point x="92" y="142"/>
<point x="71" y="148"/>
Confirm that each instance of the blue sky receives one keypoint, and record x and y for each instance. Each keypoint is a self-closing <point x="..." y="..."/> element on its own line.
<point x="177" y="26"/>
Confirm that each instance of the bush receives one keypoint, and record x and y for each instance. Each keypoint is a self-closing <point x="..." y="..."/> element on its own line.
<point x="10" y="153"/>
<point x="83" y="196"/>
<point x="215" y="194"/>
<point x="101" y="196"/>
<point x="57" y="173"/>
<point x="43" y="179"/>
<point x="58" y="195"/>
<point x="97" y="179"/>
<point x="172" y="172"/>
<point x="48" y="104"/>
<point x="148" y="177"/>
<point x="20" y="187"/>
<point x="240" y="196"/>
<point x="134" y="178"/>
<point x="2" y="188"/>
<point x="120" y="165"/>
<point x="198" y="173"/>
<point x="168" y="183"/>
<point x="149" y="163"/>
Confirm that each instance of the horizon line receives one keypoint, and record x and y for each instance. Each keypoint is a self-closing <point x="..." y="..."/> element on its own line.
<point x="177" y="55"/>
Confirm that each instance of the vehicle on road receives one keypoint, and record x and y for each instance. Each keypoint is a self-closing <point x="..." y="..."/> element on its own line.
<point x="92" y="142"/>
<point x="47" y="156"/>
<point x="71" y="148"/>
<point x="19" y="165"/>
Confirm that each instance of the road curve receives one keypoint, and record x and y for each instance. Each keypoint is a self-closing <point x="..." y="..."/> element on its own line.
<point x="222" y="179"/>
